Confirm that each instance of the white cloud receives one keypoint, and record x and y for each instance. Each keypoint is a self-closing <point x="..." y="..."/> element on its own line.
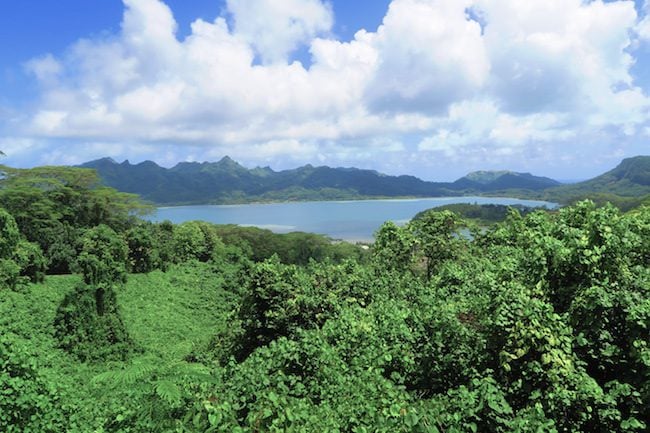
<point x="49" y="121"/>
<point x="276" y="28"/>
<point x="479" y="125"/>
<point x="151" y="104"/>
<point x="18" y="147"/>
<point x="46" y="69"/>
<point x="149" y="30"/>
<point x="643" y="27"/>
<point x="293" y="149"/>
<point x="430" y="55"/>
<point x="560" y="70"/>
<point x="446" y="77"/>
<point x="557" y="55"/>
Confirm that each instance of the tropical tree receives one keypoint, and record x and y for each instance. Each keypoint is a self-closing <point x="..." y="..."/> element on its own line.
<point x="53" y="205"/>
<point x="88" y="322"/>
<point x="394" y="247"/>
<point x="438" y="238"/>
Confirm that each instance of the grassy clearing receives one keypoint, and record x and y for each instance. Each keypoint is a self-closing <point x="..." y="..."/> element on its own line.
<point x="169" y="314"/>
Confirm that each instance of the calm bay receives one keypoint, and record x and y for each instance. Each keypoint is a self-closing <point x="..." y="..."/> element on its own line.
<point x="353" y="221"/>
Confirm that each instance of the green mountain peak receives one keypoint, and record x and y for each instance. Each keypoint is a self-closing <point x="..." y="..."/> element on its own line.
<point x="487" y="176"/>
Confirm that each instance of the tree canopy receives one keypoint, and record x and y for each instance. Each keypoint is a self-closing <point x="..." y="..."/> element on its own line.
<point x="538" y="323"/>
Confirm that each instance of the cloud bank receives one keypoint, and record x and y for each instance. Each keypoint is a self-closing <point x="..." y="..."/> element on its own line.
<point x="437" y="81"/>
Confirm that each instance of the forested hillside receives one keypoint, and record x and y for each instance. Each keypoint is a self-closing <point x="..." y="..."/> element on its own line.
<point x="228" y="182"/>
<point x="630" y="178"/>
<point x="485" y="181"/>
<point x="540" y="323"/>
<point x="627" y="185"/>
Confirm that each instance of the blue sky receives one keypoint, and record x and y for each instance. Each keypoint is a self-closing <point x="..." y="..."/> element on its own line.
<point x="434" y="88"/>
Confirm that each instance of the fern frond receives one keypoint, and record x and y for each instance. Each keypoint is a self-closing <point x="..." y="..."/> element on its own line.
<point x="107" y="376"/>
<point x="168" y="391"/>
<point x="135" y="372"/>
<point x="189" y="372"/>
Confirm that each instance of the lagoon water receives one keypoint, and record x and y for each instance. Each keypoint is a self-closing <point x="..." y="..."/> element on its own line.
<point x="347" y="220"/>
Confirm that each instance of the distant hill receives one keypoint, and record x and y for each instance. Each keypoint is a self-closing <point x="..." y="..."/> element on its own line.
<point x="626" y="185"/>
<point x="226" y="181"/>
<point x="504" y="180"/>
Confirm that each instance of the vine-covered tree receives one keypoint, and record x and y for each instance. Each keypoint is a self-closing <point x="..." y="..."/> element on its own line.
<point x="437" y="236"/>
<point x="394" y="247"/>
<point x="88" y="322"/>
<point x="19" y="260"/>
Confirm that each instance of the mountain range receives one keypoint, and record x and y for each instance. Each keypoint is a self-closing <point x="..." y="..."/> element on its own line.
<point x="226" y="181"/>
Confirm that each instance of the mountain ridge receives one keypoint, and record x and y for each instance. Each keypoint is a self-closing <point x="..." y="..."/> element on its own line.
<point x="630" y="178"/>
<point x="226" y="181"/>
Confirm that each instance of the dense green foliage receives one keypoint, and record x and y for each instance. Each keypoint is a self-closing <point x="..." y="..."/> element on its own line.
<point x="292" y="248"/>
<point x="20" y="260"/>
<point x="539" y="323"/>
<point x="29" y="402"/>
<point x="88" y="323"/>
<point x="482" y="214"/>
<point x="54" y="205"/>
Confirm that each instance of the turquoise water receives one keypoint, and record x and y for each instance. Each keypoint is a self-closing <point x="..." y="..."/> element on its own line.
<point x="347" y="220"/>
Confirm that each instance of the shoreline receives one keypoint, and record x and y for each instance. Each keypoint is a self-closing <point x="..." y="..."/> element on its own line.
<point x="357" y="200"/>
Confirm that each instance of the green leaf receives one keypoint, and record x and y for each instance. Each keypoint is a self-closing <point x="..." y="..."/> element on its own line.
<point x="168" y="391"/>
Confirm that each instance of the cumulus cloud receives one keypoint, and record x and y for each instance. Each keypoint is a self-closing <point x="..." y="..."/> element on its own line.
<point x="290" y="148"/>
<point x="276" y="28"/>
<point x="430" y="54"/>
<point x="46" y="69"/>
<point x="19" y="147"/>
<point x="440" y="77"/>
<point x="560" y="69"/>
<point x="643" y="27"/>
<point x="557" y="55"/>
<point x="473" y="125"/>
